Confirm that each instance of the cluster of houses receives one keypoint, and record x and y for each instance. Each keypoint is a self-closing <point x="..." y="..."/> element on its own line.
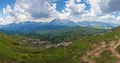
<point x="37" y="43"/>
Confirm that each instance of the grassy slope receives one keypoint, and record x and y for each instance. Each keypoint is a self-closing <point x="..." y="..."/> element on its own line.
<point x="13" y="52"/>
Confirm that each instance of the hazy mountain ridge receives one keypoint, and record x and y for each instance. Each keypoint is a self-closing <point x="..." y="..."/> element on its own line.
<point x="56" y="24"/>
<point x="97" y="24"/>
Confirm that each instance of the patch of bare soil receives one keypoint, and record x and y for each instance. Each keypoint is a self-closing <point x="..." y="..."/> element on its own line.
<point x="97" y="50"/>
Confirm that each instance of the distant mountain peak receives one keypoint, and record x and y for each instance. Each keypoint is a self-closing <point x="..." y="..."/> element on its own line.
<point x="62" y="22"/>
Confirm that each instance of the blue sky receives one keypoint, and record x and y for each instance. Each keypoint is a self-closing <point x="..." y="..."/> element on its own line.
<point x="15" y="11"/>
<point x="60" y="4"/>
<point x="4" y="3"/>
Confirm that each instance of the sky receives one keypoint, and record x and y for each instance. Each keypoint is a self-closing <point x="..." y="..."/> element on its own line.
<point x="16" y="11"/>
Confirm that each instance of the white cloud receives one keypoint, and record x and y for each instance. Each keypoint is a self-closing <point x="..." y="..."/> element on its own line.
<point x="118" y="18"/>
<point x="74" y="8"/>
<point x="34" y="10"/>
<point x="103" y="10"/>
<point x="78" y="0"/>
<point x="2" y="21"/>
<point x="6" y="20"/>
<point x="107" y="16"/>
<point x="40" y="9"/>
<point x="37" y="9"/>
<point x="105" y="6"/>
<point x="95" y="7"/>
<point x="7" y="10"/>
<point x="110" y="6"/>
<point x="45" y="10"/>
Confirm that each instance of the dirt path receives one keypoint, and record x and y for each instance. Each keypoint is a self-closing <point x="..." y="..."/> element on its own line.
<point x="113" y="47"/>
<point x="96" y="51"/>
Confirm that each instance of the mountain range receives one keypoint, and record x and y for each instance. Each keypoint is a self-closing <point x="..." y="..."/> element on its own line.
<point x="56" y="24"/>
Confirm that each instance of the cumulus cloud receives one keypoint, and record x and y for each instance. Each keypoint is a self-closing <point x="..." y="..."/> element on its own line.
<point x="95" y="7"/>
<point x="78" y="0"/>
<point x="40" y="9"/>
<point x="118" y="18"/>
<point x="111" y="6"/>
<point x="105" y="6"/>
<point x="74" y="8"/>
<point x="107" y="16"/>
<point x="104" y="10"/>
<point x="45" y="10"/>
<point x="17" y="14"/>
<point x="7" y="10"/>
<point x="30" y="10"/>
<point x="6" y="20"/>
